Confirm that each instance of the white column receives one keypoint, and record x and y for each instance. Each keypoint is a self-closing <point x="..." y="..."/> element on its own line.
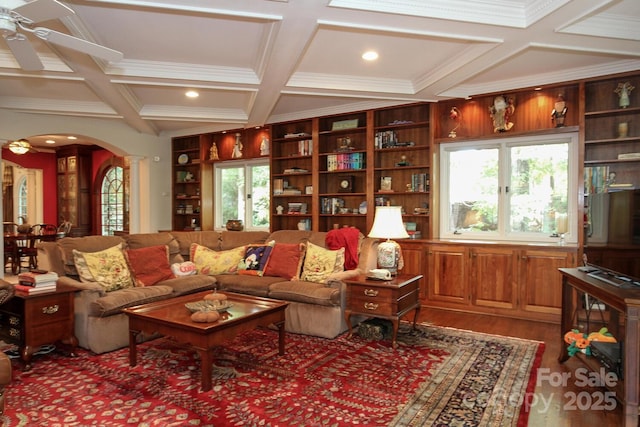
<point x="134" y="193"/>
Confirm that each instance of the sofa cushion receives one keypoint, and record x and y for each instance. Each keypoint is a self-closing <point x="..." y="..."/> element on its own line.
<point x="143" y="240"/>
<point x="185" y="239"/>
<point x="149" y="265"/>
<point x="189" y="284"/>
<point x="251" y="285"/>
<point x="113" y="302"/>
<point x="291" y="236"/>
<point x="285" y="260"/>
<point x="108" y="268"/>
<point x="320" y="263"/>
<point x="213" y="262"/>
<point x="233" y="239"/>
<point x="307" y="292"/>
<point x="83" y="244"/>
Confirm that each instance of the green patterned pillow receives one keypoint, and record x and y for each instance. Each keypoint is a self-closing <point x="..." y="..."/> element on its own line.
<point x="320" y="263"/>
<point x="108" y="268"/>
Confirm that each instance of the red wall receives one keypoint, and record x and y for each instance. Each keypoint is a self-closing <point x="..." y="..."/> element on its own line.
<point x="46" y="162"/>
<point x="98" y="158"/>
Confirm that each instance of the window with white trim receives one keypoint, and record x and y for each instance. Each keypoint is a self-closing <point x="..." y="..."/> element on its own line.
<point x="513" y="189"/>
<point x="242" y="192"/>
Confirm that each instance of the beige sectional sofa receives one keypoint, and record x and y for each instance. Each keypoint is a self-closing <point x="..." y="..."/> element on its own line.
<point x="101" y="326"/>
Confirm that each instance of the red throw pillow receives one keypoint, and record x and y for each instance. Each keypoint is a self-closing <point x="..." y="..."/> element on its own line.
<point x="149" y="265"/>
<point x="285" y="260"/>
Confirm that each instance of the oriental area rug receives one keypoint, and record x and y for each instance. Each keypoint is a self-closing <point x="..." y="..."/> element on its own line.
<point x="435" y="377"/>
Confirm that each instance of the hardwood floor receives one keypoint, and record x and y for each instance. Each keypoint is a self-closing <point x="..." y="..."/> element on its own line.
<point x="553" y="405"/>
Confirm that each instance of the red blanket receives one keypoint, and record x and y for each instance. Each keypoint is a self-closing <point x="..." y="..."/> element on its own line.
<point x="347" y="238"/>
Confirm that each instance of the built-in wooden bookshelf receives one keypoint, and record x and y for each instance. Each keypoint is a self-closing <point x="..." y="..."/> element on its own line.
<point x="292" y="178"/>
<point x="187" y="196"/>
<point x="342" y="166"/>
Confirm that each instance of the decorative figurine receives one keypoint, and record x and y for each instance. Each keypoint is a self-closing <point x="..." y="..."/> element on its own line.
<point x="501" y="112"/>
<point x="264" y="146"/>
<point x="456" y="116"/>
<point x="623" y="90"/>
<point x="213" y="152"/>
<point x="403" y="161"/>
<point x="237" y="147"/>
<point x="279" y="210"/>
<point x="559" y="111"/>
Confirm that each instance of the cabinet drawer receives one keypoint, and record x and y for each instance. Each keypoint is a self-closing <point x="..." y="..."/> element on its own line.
<point x="377" y="306"/>
<point x="371" y="292"/>
<point x="44" y="310"/>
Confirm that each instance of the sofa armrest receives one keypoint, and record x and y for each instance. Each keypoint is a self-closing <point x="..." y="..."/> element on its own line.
<point x="5" y="377"/>
<point x="82" y="286"/>
<point x="49" y="257"/>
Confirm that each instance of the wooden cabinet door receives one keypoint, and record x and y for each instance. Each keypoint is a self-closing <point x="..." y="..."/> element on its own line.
<point x="540" y="281"/>
<point x="415" y="262"/>
<point x="492" y="277"/>
<point x="448" y="274"/>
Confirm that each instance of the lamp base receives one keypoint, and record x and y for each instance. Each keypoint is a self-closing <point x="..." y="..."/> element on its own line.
<point x="388" y="256"/>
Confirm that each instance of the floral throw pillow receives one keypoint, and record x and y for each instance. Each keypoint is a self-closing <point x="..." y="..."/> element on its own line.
<point x="108" y="268"/>
<point x="320" y="263"/>
<point x="212" y="262"/>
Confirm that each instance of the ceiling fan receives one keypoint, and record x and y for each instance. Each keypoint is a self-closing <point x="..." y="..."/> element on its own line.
<point x="20" y="146"/>
<point x="18" y="15"/>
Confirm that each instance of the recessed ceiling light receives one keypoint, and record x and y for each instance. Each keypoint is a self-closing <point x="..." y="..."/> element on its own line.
<point x="370" y="55"/>
<point x="538" y="88"/>
<point x="50" y="141"/>
<point x="192" y="94"/>
<point x="71" y="137"/>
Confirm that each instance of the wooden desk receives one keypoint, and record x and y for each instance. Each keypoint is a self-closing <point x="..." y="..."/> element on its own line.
<point x="390" y="299"/>
<point x="624" y="306"/>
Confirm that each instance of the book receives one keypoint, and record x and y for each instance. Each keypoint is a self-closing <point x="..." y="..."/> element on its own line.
<point x="35" y="278"/>
<point x="30" y="290"/>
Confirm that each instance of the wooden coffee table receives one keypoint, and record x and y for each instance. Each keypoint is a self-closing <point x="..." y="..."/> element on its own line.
<point x="172" y="318"/>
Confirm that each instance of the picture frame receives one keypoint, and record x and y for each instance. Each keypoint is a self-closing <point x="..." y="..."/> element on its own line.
<point x="308" y="189"/>
<point x="385" y="183"/>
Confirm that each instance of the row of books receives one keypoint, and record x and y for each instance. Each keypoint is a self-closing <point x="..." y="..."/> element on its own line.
<point x="420" y="182"/>
<point x="345" y="161"/>
<point x="33" y="282"/>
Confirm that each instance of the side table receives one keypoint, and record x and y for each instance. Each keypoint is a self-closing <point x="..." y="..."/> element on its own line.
<point x="30" y="321"/>
<point x="389" y="299"/>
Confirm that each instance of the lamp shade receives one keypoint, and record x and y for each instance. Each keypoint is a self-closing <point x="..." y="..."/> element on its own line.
<point x="387" y="223"/>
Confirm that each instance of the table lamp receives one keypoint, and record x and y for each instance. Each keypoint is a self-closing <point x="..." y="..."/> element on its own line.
<point x="387" y="224"/>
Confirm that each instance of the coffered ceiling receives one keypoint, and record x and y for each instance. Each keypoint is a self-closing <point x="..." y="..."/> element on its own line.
<point x="261" y="61"/>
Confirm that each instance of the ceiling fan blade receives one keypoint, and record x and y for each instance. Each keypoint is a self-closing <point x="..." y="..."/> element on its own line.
<point x="24" y="52"/>
<point x="75" y="43"/>
<point x="43" y="10"/>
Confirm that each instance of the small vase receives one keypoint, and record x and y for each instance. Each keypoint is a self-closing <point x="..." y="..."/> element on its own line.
<point x="623" y="129"/>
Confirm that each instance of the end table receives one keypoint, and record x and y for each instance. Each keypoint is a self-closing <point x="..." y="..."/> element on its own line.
<point x="389" y="299"/>
<point x="31" y="321"/>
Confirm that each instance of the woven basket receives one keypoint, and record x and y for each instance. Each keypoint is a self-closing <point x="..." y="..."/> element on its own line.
<point x="7" y="290"/>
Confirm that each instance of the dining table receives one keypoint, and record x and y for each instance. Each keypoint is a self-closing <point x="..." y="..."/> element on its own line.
<point x="18" y="246"/>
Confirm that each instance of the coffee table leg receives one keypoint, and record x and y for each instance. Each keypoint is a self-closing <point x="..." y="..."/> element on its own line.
<point x="206" y="362"/>
<point x="133" y="351"/>
<point x="280" y="326"/>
